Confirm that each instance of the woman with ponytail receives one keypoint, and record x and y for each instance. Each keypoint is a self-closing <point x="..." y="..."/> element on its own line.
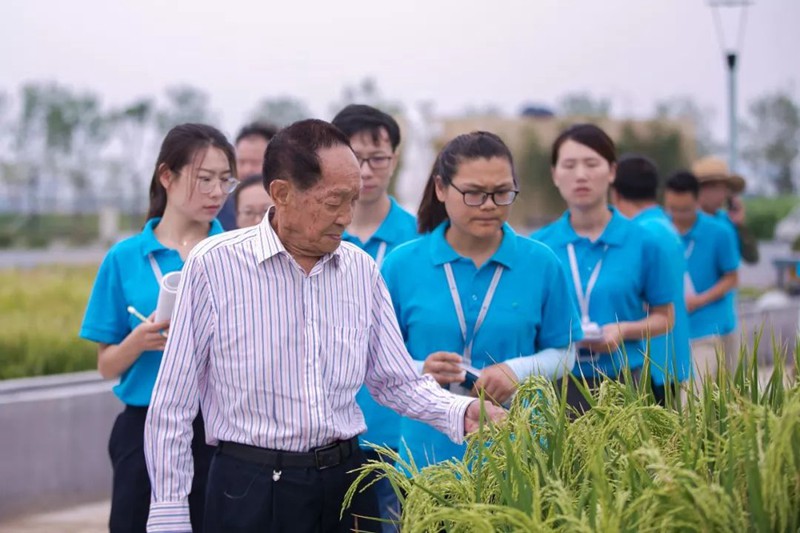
<point x="473" y="297"/>
<point x="194" y="173"/>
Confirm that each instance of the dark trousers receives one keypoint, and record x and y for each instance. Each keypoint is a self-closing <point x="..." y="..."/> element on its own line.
<point x="660" y="392"/>
<point x="130" y="497"/>
<point x="245" y="496"/>
<point x="574" y="396"/>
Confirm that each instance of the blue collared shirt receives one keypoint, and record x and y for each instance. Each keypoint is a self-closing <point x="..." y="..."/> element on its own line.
<point x="633" y="275"/>
<point x="670" y="354"/>
<point x="531" y="311"/>
<point x="126" y="278"/>
<point x="712" y="252"/>
<point x="399" y="226"/>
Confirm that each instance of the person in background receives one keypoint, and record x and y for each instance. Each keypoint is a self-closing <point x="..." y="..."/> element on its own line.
<point x="621" y="279"/>
<point x="719" y="197"/>
<point x="251" y="143"/>
<point x="712" y="261"/>
<point x="194" y="173"/>
<point x="276" y="371"/>
<point x="379" y="225"/>
<point x="473" y="293"/>
<point x="251" y="201"/>
<point x="634" y="194"/>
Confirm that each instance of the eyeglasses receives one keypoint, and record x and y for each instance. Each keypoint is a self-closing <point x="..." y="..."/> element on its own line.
<point x="478" y="198"/>
<point x="207" y="184"/>
<point x="376" y="162"/>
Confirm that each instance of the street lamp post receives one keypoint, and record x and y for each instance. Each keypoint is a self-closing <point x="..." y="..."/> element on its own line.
<point x="731" y="53"/>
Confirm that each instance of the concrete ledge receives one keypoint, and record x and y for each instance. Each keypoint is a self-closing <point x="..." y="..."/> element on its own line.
<point x="54" y="442"/>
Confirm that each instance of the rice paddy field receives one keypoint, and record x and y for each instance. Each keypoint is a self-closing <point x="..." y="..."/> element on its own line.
<point x="727" y="460"/>
<point x="41" y="312"/>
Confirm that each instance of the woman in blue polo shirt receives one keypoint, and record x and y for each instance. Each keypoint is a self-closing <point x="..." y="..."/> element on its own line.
<point x="193" y="175"/>
<point x="619" y="277"/>
<point x="471" y="292"/>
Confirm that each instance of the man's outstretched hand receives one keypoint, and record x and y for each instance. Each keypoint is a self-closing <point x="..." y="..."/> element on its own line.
<point x="472" y="418"/>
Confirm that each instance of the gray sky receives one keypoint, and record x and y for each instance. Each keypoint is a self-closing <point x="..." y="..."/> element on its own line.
<point x="454" y="52"/>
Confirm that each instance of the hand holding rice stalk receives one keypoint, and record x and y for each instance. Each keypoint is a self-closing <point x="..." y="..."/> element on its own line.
<point x="726" y="460"/>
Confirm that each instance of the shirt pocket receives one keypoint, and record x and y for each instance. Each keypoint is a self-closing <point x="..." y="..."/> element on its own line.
<point x="344" y="361"/>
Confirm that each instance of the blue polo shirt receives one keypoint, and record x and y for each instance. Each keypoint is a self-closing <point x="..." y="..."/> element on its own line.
<point x="399" y="226"/>
<point x="531" y="310"/>
<point x="126" y="278"/>
<point x="712" y="252"/>
<point x="670" y="354"/>
<point x="722" y="216"/>
<point x="635" y="273"/>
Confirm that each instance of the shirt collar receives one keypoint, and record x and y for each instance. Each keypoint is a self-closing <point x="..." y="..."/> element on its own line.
<point x="613" y="235"/>
<point x="389" y="229"/>
<point x="151" y="244"/>
<point x="442" y="252"/>
<point x="269" y="244"/>
<point x="654" y="211"/>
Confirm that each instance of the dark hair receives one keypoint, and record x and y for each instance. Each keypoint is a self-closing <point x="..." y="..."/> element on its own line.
<point x="682" y="182"/>
<point x="292" y="154"/>
<point x="637" y="178"/>
<point x="588" y="135"/>
<point x="179" y="147"/>
<point x="257" y="129"/>
<point x="465" y="147"/>
<point x="249" y="181"/>
<point x="358" y="118"/>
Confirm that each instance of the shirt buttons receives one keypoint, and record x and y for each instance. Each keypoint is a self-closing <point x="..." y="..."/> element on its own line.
<point x="474" y="297"/>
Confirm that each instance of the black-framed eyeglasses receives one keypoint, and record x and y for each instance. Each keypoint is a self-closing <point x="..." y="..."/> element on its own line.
<point x="375" y="162"/>
<point x="478" y="198"/>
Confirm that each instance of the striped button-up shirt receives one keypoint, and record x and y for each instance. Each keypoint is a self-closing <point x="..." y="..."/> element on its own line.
<point x="275" y="357"/>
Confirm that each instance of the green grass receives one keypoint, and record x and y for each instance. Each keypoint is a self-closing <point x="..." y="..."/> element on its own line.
<point x="726" y="460"/>
<point x="42" y="310"/>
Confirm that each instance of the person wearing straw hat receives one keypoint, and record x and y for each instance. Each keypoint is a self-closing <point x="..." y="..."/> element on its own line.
<point x="194" y="173"/>
<point x="719" y="197"/>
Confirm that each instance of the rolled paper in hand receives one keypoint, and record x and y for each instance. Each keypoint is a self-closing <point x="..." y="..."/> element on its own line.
<point x="166" y="296"/>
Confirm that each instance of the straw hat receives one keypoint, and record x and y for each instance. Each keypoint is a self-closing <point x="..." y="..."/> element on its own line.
<point x="711" y="169"/>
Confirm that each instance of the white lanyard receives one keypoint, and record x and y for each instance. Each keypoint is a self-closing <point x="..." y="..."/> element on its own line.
<point x="487" y="301"/>
<point x="381" y="254"/>
<point x="583" y="298"/>
<point x="688" y="284"/>
<point x="156" y="269"/>
<point x="689" y="250"/>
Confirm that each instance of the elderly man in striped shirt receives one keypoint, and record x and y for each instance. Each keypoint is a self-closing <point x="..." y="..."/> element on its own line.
<point x="276" y="327"/>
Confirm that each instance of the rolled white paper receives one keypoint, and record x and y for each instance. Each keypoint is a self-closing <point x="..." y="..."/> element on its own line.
<point x="166" y="296"/>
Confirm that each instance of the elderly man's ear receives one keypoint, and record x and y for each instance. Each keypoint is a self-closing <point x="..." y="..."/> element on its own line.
<point x="279" y="191"/>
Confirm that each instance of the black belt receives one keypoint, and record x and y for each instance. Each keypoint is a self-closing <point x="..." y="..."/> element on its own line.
<point x="320" y="458"/>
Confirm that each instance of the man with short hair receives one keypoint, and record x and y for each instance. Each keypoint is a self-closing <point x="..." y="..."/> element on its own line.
<point x="251" y="143"/>
<point x="276" y="328"/>
<point x="712" y="259"/>
<point x="634" y="192"/>
<point x="379" y="225"/>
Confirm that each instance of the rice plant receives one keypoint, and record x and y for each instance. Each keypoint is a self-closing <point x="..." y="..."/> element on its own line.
<point x="726" y="459"/>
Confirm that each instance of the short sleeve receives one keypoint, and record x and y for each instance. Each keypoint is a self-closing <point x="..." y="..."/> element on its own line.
<point x="727" y="250"/>
<point x="561" y="324"/>
<point x="106" y="317"/>
<point x="657" y="269"/>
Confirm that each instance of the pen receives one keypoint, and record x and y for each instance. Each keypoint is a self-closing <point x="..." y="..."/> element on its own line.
<point x="132" y="310"/>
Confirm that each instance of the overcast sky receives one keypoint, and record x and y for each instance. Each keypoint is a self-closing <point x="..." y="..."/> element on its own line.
<point x="454" y="52"/>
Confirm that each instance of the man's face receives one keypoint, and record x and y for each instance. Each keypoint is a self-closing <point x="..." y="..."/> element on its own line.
<point x="681" y="206"/>
<point x="250" y="155"/>
<point x="713" y="196"/>
<point x="379" y="162"/>
<point x="316" y="218"/>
